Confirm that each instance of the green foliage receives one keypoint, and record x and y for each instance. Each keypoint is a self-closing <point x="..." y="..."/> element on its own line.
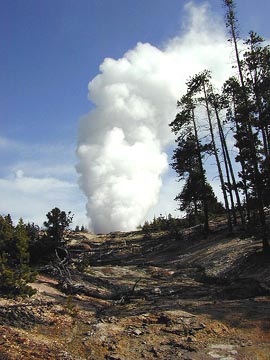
<point x="43" y="244"/>
<point x="84" y="262"/>
<point x="191" y="200"/>
<point x="191" y="150"/>
<point x="6" y="233"/>
<point x="246" y="99"/>
<point x="15" y="271"/>
<point x="33" y="231"/>
<point x="162" y="223"/>
<point x="22" y="245"/>
<point x="83" y="229"/>
<point x="37" y="243"/>
<point x="71" y="308"/>
<point x="80" y="229"/>
<point x="58" y="221"/>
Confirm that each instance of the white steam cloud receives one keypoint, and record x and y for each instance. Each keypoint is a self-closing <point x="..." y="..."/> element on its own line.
<point x="123" y="141"/>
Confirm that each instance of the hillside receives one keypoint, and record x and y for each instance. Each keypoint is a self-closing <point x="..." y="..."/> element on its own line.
<point x="147" y="296"/>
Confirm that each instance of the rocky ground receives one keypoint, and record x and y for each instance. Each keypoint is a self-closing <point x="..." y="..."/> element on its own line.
<point x="148" y="296"/>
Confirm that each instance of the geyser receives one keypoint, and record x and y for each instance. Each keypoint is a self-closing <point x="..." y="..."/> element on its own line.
<point x="122" y="142"/>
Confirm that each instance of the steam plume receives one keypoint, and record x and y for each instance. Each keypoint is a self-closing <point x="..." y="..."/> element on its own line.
<point x="123" y="141"/>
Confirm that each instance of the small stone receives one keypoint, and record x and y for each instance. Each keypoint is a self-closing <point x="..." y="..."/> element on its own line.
<point x="157" y="291"/>
<point x="89" y="333"/>
<point x="137" y="332"/>
<point x="112" y="319"/>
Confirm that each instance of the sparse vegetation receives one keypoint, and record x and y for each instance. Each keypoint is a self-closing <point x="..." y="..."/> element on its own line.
<point x="165" y="291"/>
<point x="24" y="245"/>
<point x="70" y="307"/>
<point x="15" y="272"/>
<point x="163" y="297"/>
<point x="162" y="223"/>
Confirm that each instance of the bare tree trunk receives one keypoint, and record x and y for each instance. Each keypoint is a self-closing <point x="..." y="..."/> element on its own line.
<point x="229" y="184"/>
<point x="205" y="201"/>
<point x="221" y="178"/>
<point x="228" y="163"/>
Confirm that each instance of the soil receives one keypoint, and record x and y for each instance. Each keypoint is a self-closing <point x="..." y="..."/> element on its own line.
<point x="148" y="296"/>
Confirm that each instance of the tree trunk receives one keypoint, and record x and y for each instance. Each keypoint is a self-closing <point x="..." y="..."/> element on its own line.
<point x="228" y="163"/>
<point x="221" y="178"/>
<point x="205" y="201"/>
<point x="254" y="160"/>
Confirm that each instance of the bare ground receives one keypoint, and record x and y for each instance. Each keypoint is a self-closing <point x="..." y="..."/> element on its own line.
<point x="148" y="297"/>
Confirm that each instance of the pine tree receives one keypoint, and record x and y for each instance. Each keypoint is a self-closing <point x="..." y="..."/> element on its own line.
<point x="58" y="221"/>
<point x="23" y="270"/>
<point x="256" y="64"/>
<point x="247" y="135"/>
<point x="15" y="272"/>
<point x="200" y="86"/>
<point x="190" y="151"/>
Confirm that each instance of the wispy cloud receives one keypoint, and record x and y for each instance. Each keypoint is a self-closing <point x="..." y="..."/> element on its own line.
<point x="34" y="159"/>
<point x="35" y="178"/>
<point x="31" y="198"/>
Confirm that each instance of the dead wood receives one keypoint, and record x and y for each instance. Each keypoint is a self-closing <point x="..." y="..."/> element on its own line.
<point x="126" y="297"/>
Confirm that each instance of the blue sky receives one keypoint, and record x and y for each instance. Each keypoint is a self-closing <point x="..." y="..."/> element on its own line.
<point x="50" y="50"/>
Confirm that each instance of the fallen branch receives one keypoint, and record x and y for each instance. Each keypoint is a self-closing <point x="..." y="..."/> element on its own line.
<point x="125" y="298"/>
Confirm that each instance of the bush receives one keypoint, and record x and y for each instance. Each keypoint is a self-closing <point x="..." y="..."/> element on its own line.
<point x="43" y="245"/>
<point x="15" y="271"/>
<point x="163" y="223"/>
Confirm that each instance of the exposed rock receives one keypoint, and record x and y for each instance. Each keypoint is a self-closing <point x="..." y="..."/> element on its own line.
<point x="147" y="298"/>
